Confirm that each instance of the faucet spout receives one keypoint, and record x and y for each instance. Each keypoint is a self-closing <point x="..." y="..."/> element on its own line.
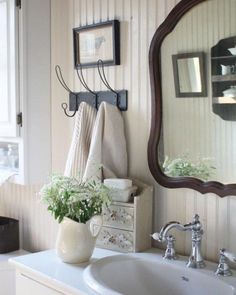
<point x="166" y="228"/>
<point x="174" y="224"/>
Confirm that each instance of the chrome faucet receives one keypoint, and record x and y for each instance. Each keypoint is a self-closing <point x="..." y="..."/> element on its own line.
<point x="195" y="259"/>
<point x="223" y="267"/>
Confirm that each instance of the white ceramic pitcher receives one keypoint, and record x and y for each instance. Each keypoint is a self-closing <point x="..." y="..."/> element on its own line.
<point x="76" y="241"/>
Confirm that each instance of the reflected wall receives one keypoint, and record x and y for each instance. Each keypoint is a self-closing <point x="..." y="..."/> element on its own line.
<point x="190" y="128"/>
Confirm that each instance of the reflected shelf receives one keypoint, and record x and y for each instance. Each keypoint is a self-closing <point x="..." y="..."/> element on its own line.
<point x="223" y="78"/>
<point x="224" y="100"/>
<point x="224" y="57"/>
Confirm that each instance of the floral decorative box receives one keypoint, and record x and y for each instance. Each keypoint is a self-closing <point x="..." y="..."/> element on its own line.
<point x="127" y="226"/>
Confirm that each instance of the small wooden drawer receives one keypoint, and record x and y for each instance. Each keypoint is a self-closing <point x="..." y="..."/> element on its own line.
<point x="115" y="239"/>
<point x="119" y="217"/>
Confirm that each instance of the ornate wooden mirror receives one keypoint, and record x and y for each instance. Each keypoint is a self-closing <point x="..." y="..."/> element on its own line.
<point x="190" y="146"/>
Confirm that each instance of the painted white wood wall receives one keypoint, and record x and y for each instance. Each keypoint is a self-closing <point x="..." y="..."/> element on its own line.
<point x="139" y="20"/>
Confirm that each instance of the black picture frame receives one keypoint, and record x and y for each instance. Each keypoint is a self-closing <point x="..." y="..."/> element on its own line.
<point x="175" y="59"/>
<point x="97" y="41"/>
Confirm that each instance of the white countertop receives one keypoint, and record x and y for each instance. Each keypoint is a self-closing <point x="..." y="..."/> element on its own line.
<point x="47" y="268"/>
<point x="5" y="256"/>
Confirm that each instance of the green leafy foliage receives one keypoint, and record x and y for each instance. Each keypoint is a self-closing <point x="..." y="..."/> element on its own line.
<point x="183" y="166"/>
<point x="79" y="201"/>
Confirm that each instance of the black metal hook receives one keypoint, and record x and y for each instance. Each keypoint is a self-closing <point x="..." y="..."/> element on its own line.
<point x="101" y="72"/>
<point x="61" y="79"/>
<point x="91" y="97"/>
<point x="82" y="80"/>
<point x="66" y="87"/>
<point x="102" y="75"/>
<point x="64" y="106"/>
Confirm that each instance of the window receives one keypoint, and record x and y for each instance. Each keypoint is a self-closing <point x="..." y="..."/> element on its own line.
<point x="8" y="68"/>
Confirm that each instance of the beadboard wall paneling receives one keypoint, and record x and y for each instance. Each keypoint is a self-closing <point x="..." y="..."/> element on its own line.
<point x="139" y="20"/>
<point x="37" y="228"/>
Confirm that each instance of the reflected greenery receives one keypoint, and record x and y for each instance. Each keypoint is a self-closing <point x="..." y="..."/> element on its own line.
<point x="183" y="166"/>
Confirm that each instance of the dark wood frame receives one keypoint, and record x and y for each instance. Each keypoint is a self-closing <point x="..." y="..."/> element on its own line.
<point x="115" y="24"/>
<point x="156" y="121"/>
<point x="201" y="57"/>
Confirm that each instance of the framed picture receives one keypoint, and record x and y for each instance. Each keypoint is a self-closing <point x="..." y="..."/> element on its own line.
<point x="189" y="74"/>
<point x="97" y="41"/>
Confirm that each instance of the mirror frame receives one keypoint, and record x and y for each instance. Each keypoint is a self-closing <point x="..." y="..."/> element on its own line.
<point x="162" y="31"/>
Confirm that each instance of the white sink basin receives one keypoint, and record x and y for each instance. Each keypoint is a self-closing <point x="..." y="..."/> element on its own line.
<point x="149" y="274"/>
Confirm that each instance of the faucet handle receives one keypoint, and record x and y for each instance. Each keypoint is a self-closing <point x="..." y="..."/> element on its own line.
<point x="230" y="256"/>
<point x="196" y="218"/>
<point x="157" y="237"/>
<point x="197" y="226"/>
<point x="170" y="250"/>
<point x="223" y="268"/>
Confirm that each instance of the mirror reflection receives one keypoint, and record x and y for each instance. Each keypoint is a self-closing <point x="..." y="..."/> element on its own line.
<point x="196" y="141"/>
<point x="189" y="74"/>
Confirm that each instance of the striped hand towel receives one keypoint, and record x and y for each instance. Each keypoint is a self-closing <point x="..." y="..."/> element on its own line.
<point x="81" y="139"/>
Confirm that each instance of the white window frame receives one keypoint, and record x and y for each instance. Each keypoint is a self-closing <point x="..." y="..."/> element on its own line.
<point x="9" y="128"/>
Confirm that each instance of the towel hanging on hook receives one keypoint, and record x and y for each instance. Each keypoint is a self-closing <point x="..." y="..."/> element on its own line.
<point x="94" y="98"/>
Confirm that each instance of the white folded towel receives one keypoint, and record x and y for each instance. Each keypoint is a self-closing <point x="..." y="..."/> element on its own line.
<point x="81" y="138"/>
<point x="108" y="145"/>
